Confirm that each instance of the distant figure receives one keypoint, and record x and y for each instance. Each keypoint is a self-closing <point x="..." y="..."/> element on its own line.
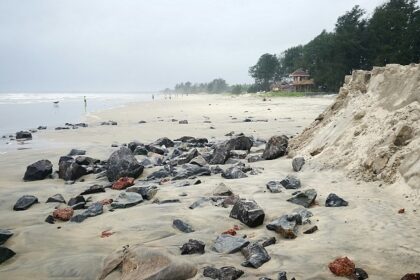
<point x="84" y="99"/>
<point x="153" y="97"/>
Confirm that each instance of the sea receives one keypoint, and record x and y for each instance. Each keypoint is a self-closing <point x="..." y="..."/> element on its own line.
<point x="24" y="111"/>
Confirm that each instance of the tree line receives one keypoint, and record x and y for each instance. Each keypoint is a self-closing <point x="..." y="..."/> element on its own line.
<point x="215" y="86"/>
<point x="390" y="35"/>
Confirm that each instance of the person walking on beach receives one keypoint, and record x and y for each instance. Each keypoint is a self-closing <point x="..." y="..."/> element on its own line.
<point x="153" y="97"/>
<point x="84" y="99"/>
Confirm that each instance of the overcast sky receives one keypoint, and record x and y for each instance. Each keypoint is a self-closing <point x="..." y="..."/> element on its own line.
<point x="137" y="45"/>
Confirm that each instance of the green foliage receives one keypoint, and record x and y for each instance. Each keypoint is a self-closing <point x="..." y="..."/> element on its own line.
<point x="265" y="71"/>
<point x="391" y="35"/>
<point x="215" y="86"/>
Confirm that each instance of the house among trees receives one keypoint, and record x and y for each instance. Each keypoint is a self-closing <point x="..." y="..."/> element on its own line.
<point x="301" y="81"/>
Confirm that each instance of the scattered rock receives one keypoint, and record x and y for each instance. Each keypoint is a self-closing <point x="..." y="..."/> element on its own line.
<point x="306" y="198"/>
<point x="199" y="202"/>
<point x="94" y="210"/>
<point x="50" y="219"/>
<point x="192" y="247"/>
<point x="229" y="244"/>
<point x="411" y="276"/>
<point x="69" y="170"/>
<point x="147" y="192"/>
<point x="199" y="160"/>
<point x="25" y="202"/>
<point x="342" y="267"/>
<point x="248" y="212"/>
<point x="4" y="235"/>
<point x="234" y="172"/>
<point x="183" y="122"/>
<point x="139" y="262"/>
<point x="190" y="170"/>
<point x="222" y="190"/>
<point x="401" y="211"/>
<point x="255" y="158"/>
<point x="224" y="273"/>
<point x="76" y="152"/>
<point x="255" y="255"/>
<point x="122" y="163"/>
<point x="77" y="202"/>
<point x="63" y="214"/>
<point x="403" y="135"/>
<point x="290" y="182"/>
<point x="274" y="186"/>
<point x="297" y="163"/>
<point x="360" y="274"/>
<point x="311" y="230"/>
<point x="269" y="241"/>
<point x="38" y="170"/>
<point x="127" y="199"/>
<point x="182" y="226"/>
<point x="5" y="254"/>
<point x="123" y="183"/>
<point x="164" y="141"/>
<point x="334" y="200"/>
<point x="285" y="225"/>
<point x="94" y="189"/>
<point x="56" y="198"/>
<point x="25" y="135"/>
<point x="275" y="147"/>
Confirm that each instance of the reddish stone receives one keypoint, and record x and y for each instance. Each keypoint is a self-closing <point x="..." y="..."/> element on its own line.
<point x="411" y="276"/>
<point x="63" y="214"/>
<point x="342" y="267"/>
<point x="236" y="227"/>
<point x="106" y="201"/>
<point x="123" y="183"/>
<point x="401" y="211"/>
<point x="230" y="231"/>
<point x="106" y="233"/>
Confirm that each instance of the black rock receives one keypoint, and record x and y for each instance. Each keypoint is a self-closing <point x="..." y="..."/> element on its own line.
<point x="274" y="186"/>
<point x="168" y="143"/>
<point x="76" y="152"/>
<point x="183" y="122"/>
<point x="94" y="189"/>
<point x="290" y="182"/>
<point x="182" y="226"/>
<point x="166" y="201"/>
<point x="255" y="158"/>
<point x="5" y="254"/>
<point x="306" y="198"/>
<point x="25" y="202"/>
<point x="255" y="255"/>
<point x="133" y="145"/>
<point x="23" y="135"/>
<point x="311" y="230"/>
<point x="159" y="174"/>
<point x="224" y="273"/>
<point x="269" y="241"/>
<point x="220" y="154"/>
<point x="240" y="143"/>
<point x="56" y="198"/>
<point x="222" y="190"/>
<point x="334" y="200"/>
<point x="199" y="202"/>
<point x="38" y="170"/>
<point x="84" y="160"/>
<point x="185" y="157"/>
<point x="127" y="199"/>
<point x="234" y="172"/>
<point x="77" y="201"/>
<point x="94" y="210"/>
<point x="216" y="169"/>
<point x="155" y="149"/>
<point x="50" y="219"/>
<point x="69" y="170"/>
<point x="285" y="225"/>
<point x="4" y="235"/>
<point x="360" y="274"/>
<point x="275" y="147"/>
<point x="297" y="163"/>
<point x="229" y="244"/>
<point x="41" y="127"/>
<point x="140" y="150"/>
<point x="248" y="212"/>
<point x="190" y="170"/>
<point x="147" y="192"/>
<point x="282" y="275"/>
<point x="192" y="247"/>
<point x="122" y="163"/>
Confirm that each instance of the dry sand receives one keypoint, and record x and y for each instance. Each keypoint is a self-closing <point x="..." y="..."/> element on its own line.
<point x="369" y="231"/>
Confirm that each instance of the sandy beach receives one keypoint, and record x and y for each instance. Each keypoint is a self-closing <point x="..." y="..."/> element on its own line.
<point x="369" y="231"/>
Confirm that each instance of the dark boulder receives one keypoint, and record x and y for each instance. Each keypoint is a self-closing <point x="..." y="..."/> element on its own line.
<point x="140" y="151"/>
<point x="224" y="273"/>
<point x="222" y="190"/>
<point x="311" y="230"/>
<point x="229" y="244"/>
<point x="411" y="276"/>
<point x="25" y="202"/>
<point x="240" y="143"/>
<point x="285" y="225"/>
<point x="122" y="163"/>
<point x="182" y="226"/>
<point x="134" y="144"/>
<point x="185" y="157"/>
<point x="234" y="172"/>
<point x="5" y="254"/>
<point x="93" y="189"/>
<point x="275" y="147"/>
<point x="255" y="255"/>
<point x="69" y="170"/>
<point x="4" y="235"/>
<point x="334" y="200"/>
<point x="220" y="154"/>
<point x="38" y="170"/>
<point x="360" y="274"/>
<point x="56" y="198"/>
<point x="254" y="158"/>
<point x="269" y="241"/>
<point x="147" y="192"/>
<point x="159" y="174"/>
<point x="193" y="247"/>
<point x="84" y="160"/>
<point x="306" y="198"/>
<point x="248" y="212"/>
<point x="26" y="135"/>
<point x="127" y="199"/>
<point x="94" y="210"/>
<point x="190" y="170"/>
<point x="164" y="141"/>
<point x="290" y="182"/>
<point x="155" y="149"/>
<point x="76" y="152"/>
<point x="77" y="202"/>
<point x="50" y="219"/>
<point x="297" y="163"/>
<point x="274" y="186"/>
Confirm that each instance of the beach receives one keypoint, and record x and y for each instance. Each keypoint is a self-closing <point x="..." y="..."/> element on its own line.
<point x="369" y="231"/>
